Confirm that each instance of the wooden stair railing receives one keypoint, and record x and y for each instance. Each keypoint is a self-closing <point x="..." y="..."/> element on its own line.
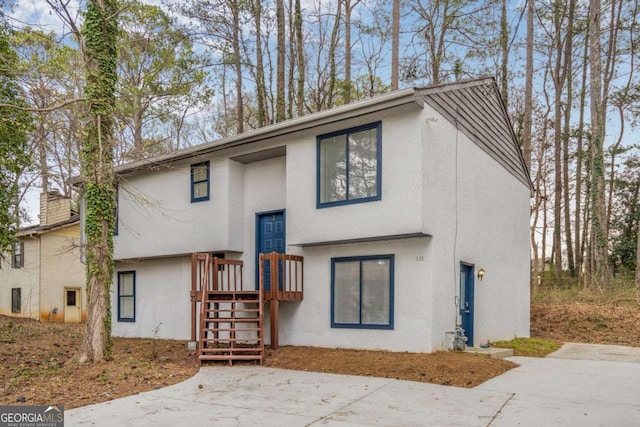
<point x="286" y="283"/>
<point x="231" y="318"/>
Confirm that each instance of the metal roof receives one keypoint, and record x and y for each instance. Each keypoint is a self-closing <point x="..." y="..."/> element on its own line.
<point x="476" y="108"/>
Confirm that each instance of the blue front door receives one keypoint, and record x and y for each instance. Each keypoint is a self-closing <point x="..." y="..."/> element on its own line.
<point x="466" y="300"/>
<point x="270" y="238"/>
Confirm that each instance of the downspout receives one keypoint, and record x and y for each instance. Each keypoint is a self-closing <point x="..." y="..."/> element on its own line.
<point x="39" y="270"/>
<point x="459" y="338"/>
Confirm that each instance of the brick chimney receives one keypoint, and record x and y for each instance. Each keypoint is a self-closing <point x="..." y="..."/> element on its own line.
<point x="54" y="208"/>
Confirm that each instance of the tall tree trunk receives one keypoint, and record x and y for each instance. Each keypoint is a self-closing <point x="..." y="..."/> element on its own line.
<point x="333" y="46"/>
<point x="302" y="66"/>
<point x="42" y="156"/>
<point x="138" y="146"/>
<point x="260" y="83"/>
<point x="99" y="34"/>
<point x="558" y="81"/>
<point x="599" y="235"/>
<point x="504" y="47"/>
<point x="528" y="87"/>
<point x="395" y="44"/>
<point x="568" y="70"/>
<point x="291" y="90"/>
<point x="579" y="242"/>
<point x="237" y="63"/>
<point x="348" y="8"/>
<point x="225" y="101"/>
<point x="280" y="66"/>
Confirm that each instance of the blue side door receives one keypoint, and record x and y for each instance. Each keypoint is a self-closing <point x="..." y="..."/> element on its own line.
<point x="270" y="236"/>
<point x="466" y="300"/>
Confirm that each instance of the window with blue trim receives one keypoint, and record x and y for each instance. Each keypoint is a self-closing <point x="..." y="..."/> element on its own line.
<point x="200" y="182"/>
<point x="126" y="296"/>
<point x="362" y="292"/>
<point x="349" y="166"/>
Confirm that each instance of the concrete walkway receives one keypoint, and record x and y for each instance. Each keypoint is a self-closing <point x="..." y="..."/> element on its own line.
<point x="579" y="385"/>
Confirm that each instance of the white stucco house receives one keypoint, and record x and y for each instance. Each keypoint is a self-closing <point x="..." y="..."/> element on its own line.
<point x="410" y="210"/>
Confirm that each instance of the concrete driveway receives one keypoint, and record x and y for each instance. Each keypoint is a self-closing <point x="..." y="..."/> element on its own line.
<point x="579" y="385"/>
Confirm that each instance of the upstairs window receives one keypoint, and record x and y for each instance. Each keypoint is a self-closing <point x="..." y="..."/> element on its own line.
<point x="349" y="169"/>
<point x="17" y="255"/>
<point x="200" y="182"/>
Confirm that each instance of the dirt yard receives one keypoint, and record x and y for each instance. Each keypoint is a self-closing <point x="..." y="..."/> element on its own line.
<point x="587" y="323"/>
<point x="38" y="361"/>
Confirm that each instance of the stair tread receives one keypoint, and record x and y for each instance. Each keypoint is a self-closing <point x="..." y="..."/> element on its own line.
<point x="231" y="313"/>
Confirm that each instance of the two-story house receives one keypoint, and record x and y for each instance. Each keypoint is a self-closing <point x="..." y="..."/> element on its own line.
<point x="410" y="211"/>
<point x="42" y="277"/>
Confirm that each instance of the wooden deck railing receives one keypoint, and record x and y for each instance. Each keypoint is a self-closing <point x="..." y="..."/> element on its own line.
<point x="212" y="274"/>
<point x="286" y="274"/>
<point x="285" y="282"/>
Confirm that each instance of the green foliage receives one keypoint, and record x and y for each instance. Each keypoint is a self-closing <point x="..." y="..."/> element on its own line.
<point x="161" y="78"/>
<point x="626" y="216"/>
<point x="531" y="347"/>
<point x="14" y="127"/>
<point x="100" y="35"/>
<point x="52" y="72"/>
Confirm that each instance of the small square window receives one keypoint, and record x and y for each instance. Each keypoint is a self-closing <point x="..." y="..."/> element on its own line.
<point x="126" y="296"/>
<point x="200" y="182"/>
<point x="362" y="292"/>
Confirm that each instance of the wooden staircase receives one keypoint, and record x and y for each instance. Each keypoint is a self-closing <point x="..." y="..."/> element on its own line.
<point x="226" y="318"/>
<point x="230" y="321"/>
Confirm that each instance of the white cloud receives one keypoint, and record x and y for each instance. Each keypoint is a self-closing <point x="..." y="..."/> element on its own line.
<point x="38" y="14"/>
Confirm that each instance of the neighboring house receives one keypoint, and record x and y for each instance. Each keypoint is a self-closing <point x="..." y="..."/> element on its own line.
<point x="42" y="276"/>
<point x="397" y="204"/>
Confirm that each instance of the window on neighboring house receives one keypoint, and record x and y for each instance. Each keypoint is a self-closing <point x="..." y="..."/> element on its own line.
<point x="115" y="210"/>
<point x="17" y="255"/>
<point x="16" y="300"/>
<point x="349" y="166"/>
<point x="126" y="296"/>
<point x="362" y="292"/>
<point x="200" y="182"/>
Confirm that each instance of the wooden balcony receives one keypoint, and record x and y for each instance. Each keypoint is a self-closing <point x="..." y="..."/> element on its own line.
<point x="225" y="275"/>
<point x="285" y="270"/>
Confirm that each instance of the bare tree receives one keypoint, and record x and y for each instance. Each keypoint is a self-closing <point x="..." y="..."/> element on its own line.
<point x="333" y="47"/>
<point x="300" y="58"/>
<point x="568" y="70"/>
<point x="600" y="267"/>
<point x="348" y="9"/>
<point x="528" y="86"/>
<point x="395" y="44"/>
<point x="280" y="73"/>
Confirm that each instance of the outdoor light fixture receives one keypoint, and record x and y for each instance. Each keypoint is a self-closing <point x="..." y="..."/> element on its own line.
<point x="481" y="274"/>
